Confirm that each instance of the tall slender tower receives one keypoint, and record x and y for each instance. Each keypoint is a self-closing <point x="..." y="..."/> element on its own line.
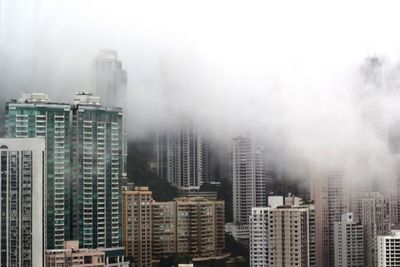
<point x="249" y="177"/>
<point x="376" y="221"/>
<point x="180" y="156"/>
<point x="109" y="82"/>
<point x="330" y="203"/>
<point x="185" y="157"/>
<point x="96" y="181"/>
<point x="22" y="168"/>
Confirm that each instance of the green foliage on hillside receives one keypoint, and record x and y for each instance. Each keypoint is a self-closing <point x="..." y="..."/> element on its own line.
<point x="139" y="172"/>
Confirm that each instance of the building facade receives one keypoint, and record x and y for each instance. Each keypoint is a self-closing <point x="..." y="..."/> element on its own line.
<point x="84" y="166"/>
<point x="282" y="235"/>
<point x="109" y="82"/>
<point x="136" y="225"/>
<point x="249" y="178"/>
<point x="388" y="249"/>
<point x="376" y="221"/>
<point x="23" y="173"/>
<point x="72" y="255"/>
<point x="185" y="156"/>
<point x="349" y="242"/>
<point x="184" y="160"/>
<point x="97" y="169"/>
<point x="33" y="115"/>
<point x="328" y="193"/>
<point x="193" y="226"/>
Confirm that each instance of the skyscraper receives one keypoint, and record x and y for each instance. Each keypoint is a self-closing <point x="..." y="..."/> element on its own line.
<point x="184" y="157"/>
<point x="349" y="242"/>
<point x="282" y="234"/>
<point x="376" y="221"/>
<point x="136" y="226"/>
<point x="109" y="79"/>
<point x="96" y="181"/>
<point x="328" y="193"/>
<point x="249" y="177"/>
<point x="23" y="169"/>
<point x="33" y="115"/>
<point x="84" y="166"/>
<point x="109" y="82"/>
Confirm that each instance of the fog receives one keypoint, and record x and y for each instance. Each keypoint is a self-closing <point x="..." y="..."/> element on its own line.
<point x="291" y="72"/>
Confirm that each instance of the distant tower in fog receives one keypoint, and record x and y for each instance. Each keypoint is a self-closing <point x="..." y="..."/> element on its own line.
<point x="184" y="161"/>
<point x="109" y="82"/>
<point x="373" y="72"/>
<point x="376" y="221"/>
<point x="185" y="157"/>
<point x="329" y="196"/>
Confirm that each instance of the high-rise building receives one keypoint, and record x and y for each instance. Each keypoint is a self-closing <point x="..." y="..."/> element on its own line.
<point x="33" y="115"/>
<point x="193" y="226"/>
<point x="181" y="154"/>
<point x="136" y="225"/>
<point x="376" y="221"/>
<point x="97" y="169"/>
<point x="185" y="156"/>
<point x="282" y="235"/>
<point x="84" y="166"/>
<point x="184" y="162"/>
<point x="388" y="249"/>
<point x="209" y="168"/>
<point x="349" y="242"/>
<point x="109" y="82"/>
<point x="249" y="177"/>
<point x="359" y="184"/>
<point x="22" y="225"/>
<point x="109" y="79"/>
<point x="329" y="196"/>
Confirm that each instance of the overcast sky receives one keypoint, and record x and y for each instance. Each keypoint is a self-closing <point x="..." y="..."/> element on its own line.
<point x="288" y="70"/>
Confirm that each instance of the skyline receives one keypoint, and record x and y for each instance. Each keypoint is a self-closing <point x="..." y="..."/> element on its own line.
<point x="229" y="133"/>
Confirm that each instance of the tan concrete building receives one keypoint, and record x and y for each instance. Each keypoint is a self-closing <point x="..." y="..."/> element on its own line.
<point x="194" y="226"/>
<point x="136" y="225"/>
<point x="164" y="228"/>
<point x="282" y="234"/>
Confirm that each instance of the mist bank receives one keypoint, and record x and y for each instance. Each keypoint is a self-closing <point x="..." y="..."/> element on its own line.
<point x="298" y="86"/>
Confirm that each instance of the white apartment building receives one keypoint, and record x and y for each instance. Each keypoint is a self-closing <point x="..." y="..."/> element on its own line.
<point x="388" y="253"/>
<point x="22" y="183"/>
<point x="349" y="243"/>
<point x="249" y="177"/>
